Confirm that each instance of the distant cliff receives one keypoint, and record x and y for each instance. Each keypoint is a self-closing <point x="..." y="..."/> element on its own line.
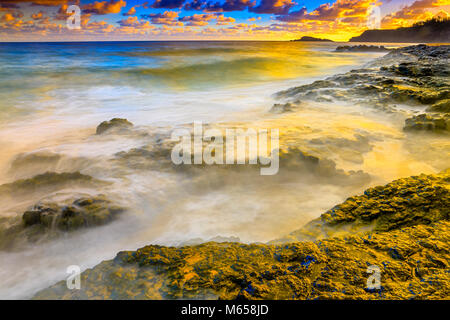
<point x="313" y="39"/>
<point x="435" y="30"/>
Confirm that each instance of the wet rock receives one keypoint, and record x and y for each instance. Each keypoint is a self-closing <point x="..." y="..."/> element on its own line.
<point x="148" y="157"/>
<point x="282" y="108"/>
<point x="29" y="164"/>
<point x="414" y="69"/>
<point x="31" y="217"/>
<point x="410" y="246"/>
<point x="49" y="220"/>
<point x="34" y="159"/>
<point x="406" y="202"/>
<point x="423" y="51"/>
<point x="427" y="122"/>
<point x="83" y="212"/>
<point x="330" y="269"/>
<point x="416" y="75"/>
<point x="318" y="169"/>
<point x="442" y="106"/>
<point x="218" y="239"/>
<point x="47" y="182"/>
<point x="362" y="48"/>
<point x="118" y="124"/>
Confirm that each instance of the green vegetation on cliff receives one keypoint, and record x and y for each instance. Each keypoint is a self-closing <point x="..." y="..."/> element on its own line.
<point x="433" y="30"/>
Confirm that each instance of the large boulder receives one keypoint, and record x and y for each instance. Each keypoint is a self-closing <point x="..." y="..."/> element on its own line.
<point x="48" y="220"/>
<point x="83" y="212"/>
<point x="117" y="124"/>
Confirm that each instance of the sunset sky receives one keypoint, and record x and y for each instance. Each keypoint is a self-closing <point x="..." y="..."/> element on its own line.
<point x="45" y="20"/>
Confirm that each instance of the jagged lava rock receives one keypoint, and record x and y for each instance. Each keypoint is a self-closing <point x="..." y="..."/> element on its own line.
<point x="413" y="257"/>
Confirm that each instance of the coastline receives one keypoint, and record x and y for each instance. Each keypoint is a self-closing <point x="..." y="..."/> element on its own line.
<point x="326" y="267"/>
<point x="408" y="243"/>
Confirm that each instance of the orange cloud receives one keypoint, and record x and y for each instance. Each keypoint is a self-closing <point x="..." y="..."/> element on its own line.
<point x="331" y="12"/>
<point x="198" y="19"/>
<point x="223" y="21"/>
<point x="167" y="18"/>
<point x="7" y="17"/>
<point x="63" y="15"/>
<point x="104" y="7"/>
<point x="134" y="22"/>
<point x="273" y="6"/>
<point x="418" y="11"/>
<point x="130" y="12"/>
<point x="38" y="16"/>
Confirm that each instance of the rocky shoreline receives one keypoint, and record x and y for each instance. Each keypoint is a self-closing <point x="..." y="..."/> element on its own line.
<point x="361" y="48"/>
<point x="403" y="227"/>
<point x="416" y="76"/>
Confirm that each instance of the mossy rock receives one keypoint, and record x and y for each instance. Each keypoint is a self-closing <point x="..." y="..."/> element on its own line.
<point x="82" y="212"/>
<point x="442" y="106"/>
<point x="402" y="203"/>
<point x="427" y="122"/>
<point x="281" y="108"/>
<point x="48" y="220"/>
<point x="413" y="262"/>
<point x="115" y="123"/>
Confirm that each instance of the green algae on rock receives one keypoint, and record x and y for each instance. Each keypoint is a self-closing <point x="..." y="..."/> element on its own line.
<point x="48" y="220"/>
<point x="414" y="264"/>
<point x="409" y="243"/>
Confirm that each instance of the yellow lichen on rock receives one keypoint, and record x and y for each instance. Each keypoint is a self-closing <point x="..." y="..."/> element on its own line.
<point x="409" y="243"/>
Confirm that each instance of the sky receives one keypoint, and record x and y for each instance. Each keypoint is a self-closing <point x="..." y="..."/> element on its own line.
<point x="111" y="20"/>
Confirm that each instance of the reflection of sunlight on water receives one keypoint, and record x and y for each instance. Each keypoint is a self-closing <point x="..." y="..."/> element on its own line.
<point x="390" y="160"/>
<point x="57" y="76"/>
